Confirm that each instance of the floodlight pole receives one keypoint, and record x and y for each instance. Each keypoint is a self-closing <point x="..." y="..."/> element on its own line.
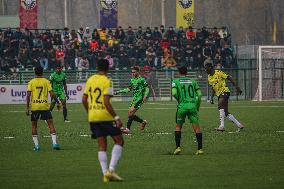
<point x="163" y="2"/>
<point x="65" y="14"/>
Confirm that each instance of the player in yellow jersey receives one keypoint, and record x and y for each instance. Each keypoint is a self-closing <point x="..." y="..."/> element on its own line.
<point x="217" y="80"/>
<point x="103" y="119"/>
<point x="37" y="103"/>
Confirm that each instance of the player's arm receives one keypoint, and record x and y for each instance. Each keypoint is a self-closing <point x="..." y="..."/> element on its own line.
<point x="52" y="95"/>
<point x="212" y="95"/>
<point x="124" y="90"/>
<point x="108" y="93"/>
<point x="199" y="95"/>
<point x="174" y="93"/>
<point x="85" y="102"/>
<point x="230" y="78"/>
<point x="65" y="89"/>
<point x="29" y="93"/>
<point x="111" y="111"/>
<point x="146" y="92"/>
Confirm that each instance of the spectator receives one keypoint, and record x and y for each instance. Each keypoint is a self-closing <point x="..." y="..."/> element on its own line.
<point x="170" y="33"/>
<point x="60" y="57"/>
<point x="43" y="58"/>
<point x="85" y="44"/>
<point x="66" y="34"/>
<point x="83" y="66"/>
<point x="73" y="34"/>
<point x="80" y="35"/>
<point x="190" y="33"/>
<point x="57" y="38"/>
<point x="156" y="34"/>
<point x="130" y="36"/>
<point x="87" y="34"/>
<point x="120" y="35"/>
<point x="163" y="31"/>
<point x="180" y="33"/>
<point x="95" y="35"/>
<point x="139" y="33"/>
<point x="147" y="34"/>
<point x="110" y="61"/>
<point x="168" y="63"/>
<point x="103" y="35"/>
<point x="23" y="57"/>
<point x="223" y="32"/>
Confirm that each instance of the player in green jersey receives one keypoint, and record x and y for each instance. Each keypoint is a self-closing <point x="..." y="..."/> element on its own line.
<point x="140" y="89"/>
<point x="188" y="95"/>
<point x="58" y="82"/>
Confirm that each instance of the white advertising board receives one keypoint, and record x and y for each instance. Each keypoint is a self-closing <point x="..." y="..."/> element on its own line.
<point x="16" y="94"/>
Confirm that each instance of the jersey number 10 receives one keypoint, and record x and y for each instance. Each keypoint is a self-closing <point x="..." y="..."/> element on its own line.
<point x="189" y="89"/>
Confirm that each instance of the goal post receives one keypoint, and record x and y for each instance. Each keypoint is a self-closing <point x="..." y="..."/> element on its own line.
<point x="270" y="73"/>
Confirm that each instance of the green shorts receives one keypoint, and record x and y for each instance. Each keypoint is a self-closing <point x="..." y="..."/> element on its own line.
<point x="188" y="110"/>
<point x="60" y="95"/>
<point x="136" y="103"/>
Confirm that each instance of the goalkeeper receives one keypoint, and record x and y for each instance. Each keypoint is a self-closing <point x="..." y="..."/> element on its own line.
<point x="140" y="89"/>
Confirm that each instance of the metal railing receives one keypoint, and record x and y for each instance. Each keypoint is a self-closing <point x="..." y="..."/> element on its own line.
<point x="247" y="79"/>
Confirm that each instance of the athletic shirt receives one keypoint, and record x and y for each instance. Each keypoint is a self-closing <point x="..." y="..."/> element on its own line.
<point x="39" y="88"/>
<point x="218" y="82"/>
<point x="96" y="88"/>
<point x="186" y="89"/>
<point x="138" y="86"/>
<point x="57" y="81"/>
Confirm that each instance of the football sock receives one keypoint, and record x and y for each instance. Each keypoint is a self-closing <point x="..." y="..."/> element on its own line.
<point x="138" y="119"/>
<point x="103" y="160"/>
<point x="199" y="140"/>
<point x="222" y="116"/>
<point x="233" y="119"/>
<point x="177" y="138"/>
<point x="53" y="138"/>
<point x="129" y="122"/>
<point x="115" y="156"/>
<point x="65" y="113"/>
<point x="35" y="139"/>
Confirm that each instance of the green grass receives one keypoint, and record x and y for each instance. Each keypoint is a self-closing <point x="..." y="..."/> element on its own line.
<point x="250" y="159"/>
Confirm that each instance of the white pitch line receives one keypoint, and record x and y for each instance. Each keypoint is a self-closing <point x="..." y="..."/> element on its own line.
<point x="9" y="137"/>
<point x="163" y="133"/>
<point x="279" y="131"/>
<point x="84" y="135"/>
<point x="46" y="136"/>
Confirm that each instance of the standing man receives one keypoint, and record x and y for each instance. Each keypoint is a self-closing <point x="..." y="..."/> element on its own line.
<point x="140" y="90"/>
<point x="217" y="80"/>
<point x="101" y="116"/>
<point x="188" y="95"/>
<point x="37" y="103"/>
<point x="58" y="82"/>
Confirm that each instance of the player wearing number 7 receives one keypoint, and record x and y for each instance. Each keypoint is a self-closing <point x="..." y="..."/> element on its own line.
<point x="188" y="95"/>
<point x="37" y="102"/>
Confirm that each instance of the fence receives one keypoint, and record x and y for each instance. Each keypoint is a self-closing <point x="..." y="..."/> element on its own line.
<point x="160" y="80"/>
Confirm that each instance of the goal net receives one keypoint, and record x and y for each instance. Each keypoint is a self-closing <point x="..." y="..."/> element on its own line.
<point x="270" y="73"/>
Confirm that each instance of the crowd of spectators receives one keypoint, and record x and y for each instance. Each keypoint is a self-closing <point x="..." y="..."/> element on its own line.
<point x="157" y="48"/>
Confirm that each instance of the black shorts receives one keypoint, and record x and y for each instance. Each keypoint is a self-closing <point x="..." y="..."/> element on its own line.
<point x="105" y="128"/>
<point x="225" y="95"/>
<point x="41" y="114"/>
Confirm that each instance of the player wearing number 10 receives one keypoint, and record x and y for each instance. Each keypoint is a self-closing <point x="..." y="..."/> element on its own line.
<point x="37" y="98"/>
<point x="188" y="95"/>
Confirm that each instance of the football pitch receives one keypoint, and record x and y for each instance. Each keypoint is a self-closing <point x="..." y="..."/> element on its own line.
<point x="253" y="158"/>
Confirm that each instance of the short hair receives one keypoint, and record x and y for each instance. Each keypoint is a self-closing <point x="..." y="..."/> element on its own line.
<point x="182" y="70"/>
<point x="136" y="68"/>
<point x="103" y="65"/>
<point x="38" y="70"/>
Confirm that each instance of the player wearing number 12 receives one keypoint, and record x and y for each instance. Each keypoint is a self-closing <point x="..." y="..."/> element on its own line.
<point x="101" y="116"/>
<point x="188" y="95"/>
<point x="37" y="102"/>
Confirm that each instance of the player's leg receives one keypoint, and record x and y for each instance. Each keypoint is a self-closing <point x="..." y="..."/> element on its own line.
<point x="194" y="119"/>
<point x="34" y="117"/>
<point x="116" y="135"/>
<point x="180" y="118"/>
<point x="102" y="156"/>
<point x="137" y="106"/>
<point x="53" y="102"/>
<point x="46" y="115"/>
<point x="230" y="116"/>
<point x="222" y="106"/>
<point x="63" y="101"/>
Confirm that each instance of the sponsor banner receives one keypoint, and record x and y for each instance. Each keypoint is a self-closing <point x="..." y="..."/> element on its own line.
<point x="108" y="13"/>
<point x="184" y="13"/>
<point x="17" y="94"/>
<point x="28" y="13"/>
